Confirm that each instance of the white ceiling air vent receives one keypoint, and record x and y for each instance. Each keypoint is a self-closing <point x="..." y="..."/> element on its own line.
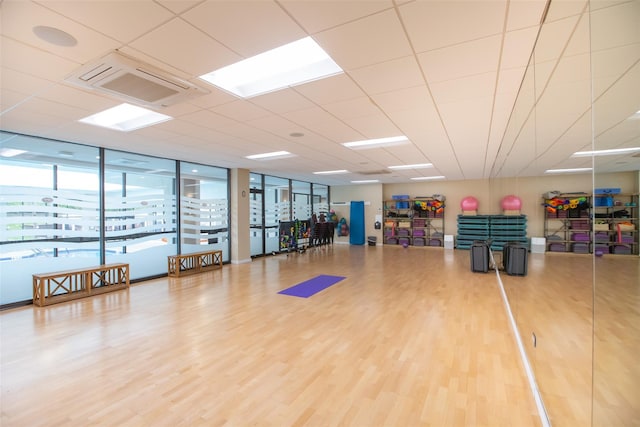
<point x="125" y="77"/>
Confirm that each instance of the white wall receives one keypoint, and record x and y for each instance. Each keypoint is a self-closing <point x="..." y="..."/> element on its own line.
<point x="371" y="194"/>
<point x="489" y="193"/>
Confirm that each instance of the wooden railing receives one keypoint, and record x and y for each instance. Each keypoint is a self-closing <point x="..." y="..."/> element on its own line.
<point x="51" y="288"/>
<point x="193" y="263"/>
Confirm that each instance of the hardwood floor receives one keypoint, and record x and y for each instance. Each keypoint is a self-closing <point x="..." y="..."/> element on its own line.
<point x="410" y="338"/>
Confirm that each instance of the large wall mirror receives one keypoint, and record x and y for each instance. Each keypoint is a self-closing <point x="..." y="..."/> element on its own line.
<point x="578" y="315"/>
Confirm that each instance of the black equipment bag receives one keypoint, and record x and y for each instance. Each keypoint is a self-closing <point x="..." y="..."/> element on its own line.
<point x="515" y="259"/>
<point x="479" y="257"/>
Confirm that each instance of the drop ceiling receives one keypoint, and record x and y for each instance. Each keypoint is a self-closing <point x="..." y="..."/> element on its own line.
<point x="446" y="74"/>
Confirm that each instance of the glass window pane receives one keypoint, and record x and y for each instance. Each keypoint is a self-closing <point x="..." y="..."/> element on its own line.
<point x="276" y="209"/>
<point x="320" y="199"/>
<point x="49" y="208"/>
<point x="140" y="212"/>
<point x="204" y="205"/>
<point x="256" y="226"/>
<point x="301" y="200"/>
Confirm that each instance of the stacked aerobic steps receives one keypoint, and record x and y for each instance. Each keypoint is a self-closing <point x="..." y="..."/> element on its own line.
<point x="507" y="228"/>
<point x="471" y="228"/>
<point x="499" y="228"/>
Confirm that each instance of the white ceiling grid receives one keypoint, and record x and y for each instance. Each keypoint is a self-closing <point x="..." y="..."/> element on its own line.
<point x="444" y="73"/>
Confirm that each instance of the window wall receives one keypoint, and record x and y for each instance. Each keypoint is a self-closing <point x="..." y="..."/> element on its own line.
<point x="204" y="212"/>
<point x="54" y="215"/>
<point x="301" y="200"/>
<point x="256" y="214"/>
<point x="274" y="200"/>
<point x="49" y="221"/>
<point x="140" y="212"/>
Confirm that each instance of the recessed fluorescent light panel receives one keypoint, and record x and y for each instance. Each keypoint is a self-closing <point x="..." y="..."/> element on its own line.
<point x="272" y="155"/>
<point x="10" y="152"/>
<point x="573" y="170"/>
<point x="365" y="181"/>
<point x="427" y="178"/>
<point x="125" y="118"/>
<point x="292" y="64"/>
<point x="336" y="172"/>
<point x="612" y="152"/>
<point x="375" y="143"/>
<point x="414" y="166"/>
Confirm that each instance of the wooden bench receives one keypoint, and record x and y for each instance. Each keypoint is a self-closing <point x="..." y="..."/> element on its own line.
<point x="51" y="288"/>
<point x="196" y="262"/>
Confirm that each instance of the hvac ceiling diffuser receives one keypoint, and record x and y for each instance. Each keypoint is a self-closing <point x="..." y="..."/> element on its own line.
<point x="124" y="77"/>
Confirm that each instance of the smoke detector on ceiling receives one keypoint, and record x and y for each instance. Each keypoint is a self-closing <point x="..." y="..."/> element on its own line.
<point x="125" y="77"/>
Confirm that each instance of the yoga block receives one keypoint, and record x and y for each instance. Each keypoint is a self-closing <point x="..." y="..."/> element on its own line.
<point x="557" y="247"/>
<point x="581" y="248"/>
<point x="435" y="242"/>
<point x="601" y="236"/>
<point x="418" y="241"/>
<point x="580" y="237"/>
<point x="621" y="249"/>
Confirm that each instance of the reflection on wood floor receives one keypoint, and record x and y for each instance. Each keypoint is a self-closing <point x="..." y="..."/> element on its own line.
<point x="587" y="376"/>
<point x="410" y="337"/>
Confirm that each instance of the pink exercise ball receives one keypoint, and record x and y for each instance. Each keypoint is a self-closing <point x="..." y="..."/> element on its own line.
<point x="511" y="203"/>
<point x="469" y="203"/>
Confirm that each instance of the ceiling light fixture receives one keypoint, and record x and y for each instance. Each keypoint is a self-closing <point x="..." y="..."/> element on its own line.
<point x="10" y="152"/>
<point x="571" y="170"/>
<point x="295" y="63"/>
<point x="414" y="166"/>
<point x="426" y="178"/>
<point x="611" y="152"/>
<point x="378" y="142"/>
<point x="271" y="155"/>
<point x="125" y="118"/>
<point x="365" y="181"/>
<point x="335" y="172"/>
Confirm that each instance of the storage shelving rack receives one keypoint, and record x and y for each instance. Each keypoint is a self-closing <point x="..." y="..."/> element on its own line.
<point x="615" y="223"/>
<point x="567" y="223"/>
<point x="413" y="221"/>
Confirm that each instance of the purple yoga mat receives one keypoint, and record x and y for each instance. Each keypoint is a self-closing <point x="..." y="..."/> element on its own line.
<point x="312" y="286"/>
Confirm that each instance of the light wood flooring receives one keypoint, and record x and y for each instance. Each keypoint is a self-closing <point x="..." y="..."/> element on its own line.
<point x="410" y="338"/>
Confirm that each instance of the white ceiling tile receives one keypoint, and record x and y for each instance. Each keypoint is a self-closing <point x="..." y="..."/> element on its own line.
<point x="23" y="83"/>
<point x="330" y="90"/>
<point x="374" y="126"/>
<point x="185" y="47"/>
<point x="525" y="13"/>
<point x="89" y="101"/>
<point x="517" y="46"/>
<point x="357" y="107"/>
<point x="35" y="62"/>
<point x="282" y="101"/>
<point x="240" y="110"/>
<point x="477" y="86"/>
<point x="466" y="59"/>
<point x="27" y="15"/>
<point x="565" y="9"/>
<point x="376" y="38"/>
<point x="316" y="16"/>
<point x="414" y="98"/>
<point x="178" y="6"/>
<point x="321" y="122"/>
<point x="121" y="20"/>
<point x="387" y="76"/>
<point x="246" y="27"/>
<point x="440" y="23"/>
<point x="553" y="40"/>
